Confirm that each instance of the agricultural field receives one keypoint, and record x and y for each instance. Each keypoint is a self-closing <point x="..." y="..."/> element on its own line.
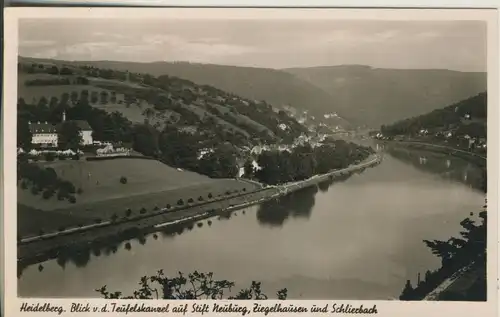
<point x="100" y="180"/>
<point x="149" y="184"/>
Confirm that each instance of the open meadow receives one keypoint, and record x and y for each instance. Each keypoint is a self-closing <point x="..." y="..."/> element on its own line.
<point x="150" y="185"/>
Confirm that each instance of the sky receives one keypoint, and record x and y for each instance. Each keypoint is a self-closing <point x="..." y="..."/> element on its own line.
<point x="455" y="45"/>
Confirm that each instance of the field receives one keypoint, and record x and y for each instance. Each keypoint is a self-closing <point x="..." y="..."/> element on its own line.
<point x="150" y="184"/>
<point x="100" y="180"/>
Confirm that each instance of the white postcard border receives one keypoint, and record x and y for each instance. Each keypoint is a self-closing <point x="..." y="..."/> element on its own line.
<point x="11" y="303"/>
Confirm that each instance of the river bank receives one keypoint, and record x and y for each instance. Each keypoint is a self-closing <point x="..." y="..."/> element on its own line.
<point x="479" y="160"/>
<point x="40" y="248"/>
<point x="470" y="280"/>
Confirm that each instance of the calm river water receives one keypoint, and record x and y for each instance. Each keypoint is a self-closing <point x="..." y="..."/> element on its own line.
<point x="360" y="238"/>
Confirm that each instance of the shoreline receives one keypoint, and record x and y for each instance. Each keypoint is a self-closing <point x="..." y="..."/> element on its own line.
<point x="36" y="249"/>
<point x="446" y="286"/>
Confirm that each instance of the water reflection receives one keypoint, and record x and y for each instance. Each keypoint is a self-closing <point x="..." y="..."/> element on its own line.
<point x="454" y="169"/>
<point x="299" y="204"/>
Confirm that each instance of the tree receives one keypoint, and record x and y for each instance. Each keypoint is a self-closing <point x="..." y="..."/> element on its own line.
<point x="193" y="286"/>
<point x="145" y="140"/>
<point x="70" y="135"/>
<point x="53" y="70"/>
<point x="74" y="97"/>
<point x="24" y="135"/>
<point x="66" y="71"/>
<point x="94" y="97"/>
<point x="407" y="291"/>
<point x="42" y="102"/>
<point x="249" y="169"/>
<point x="113" y="96"/>
<point x="104" y="97"/>
<point x="128" y="213"/>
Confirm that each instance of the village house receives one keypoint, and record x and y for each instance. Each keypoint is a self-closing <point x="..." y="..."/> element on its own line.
<point x="46" y="134"/>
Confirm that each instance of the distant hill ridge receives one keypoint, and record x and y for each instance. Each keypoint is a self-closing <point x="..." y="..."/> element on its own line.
<point x="379" y="96"/>
<point x="359" y="94"/>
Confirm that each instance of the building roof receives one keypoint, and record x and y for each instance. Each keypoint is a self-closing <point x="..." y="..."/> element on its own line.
<point x="45" y="127"/>
<point x="82" y="124"/>
<point x="40" y="127"/>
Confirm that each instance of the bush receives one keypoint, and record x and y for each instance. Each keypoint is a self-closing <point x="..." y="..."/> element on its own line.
<point x="200" y="198"/>
<point x="68" y="187"/>
<point x="97" y="220"/>
<point x="143" y="210"/>
<point x="61" y="194"/>
<point x="168" y="206"/>
<point x="128" y="213"/>
<point x="156" y="208"/>
<point x="228" y="192"/>
<point x="24" y="185"/>
<point x="190" y="200"/>
<point x="210" y="195"/>
<point x="123" y="180"/>
<point x="35" y="190"/>
<point x="114" y="217"/>
<point x="48" y="193"/>
<point x="72" y="199"/>
<point x="75" y="157"/>
<point x="49" y="157"/>
<point x="180" y="202"/>
<point x="244" y="189"/>
<point x="61" y="229"/>
<point x="62" y="157"/>
<point x="41" y="232"/>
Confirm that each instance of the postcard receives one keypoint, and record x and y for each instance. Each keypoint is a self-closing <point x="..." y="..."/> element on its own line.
<point x="250" y="161"/>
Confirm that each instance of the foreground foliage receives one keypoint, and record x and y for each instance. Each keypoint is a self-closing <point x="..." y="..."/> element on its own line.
<point x="469" y="250"/>
<point x="193" y="286"/>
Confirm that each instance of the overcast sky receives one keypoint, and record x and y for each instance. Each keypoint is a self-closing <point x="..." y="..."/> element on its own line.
<point x="457" y="45"/>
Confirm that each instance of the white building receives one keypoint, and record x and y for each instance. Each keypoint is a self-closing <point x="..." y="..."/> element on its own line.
<point x="44" y="134"/>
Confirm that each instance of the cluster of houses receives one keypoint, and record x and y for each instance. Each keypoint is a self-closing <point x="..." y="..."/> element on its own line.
<point x="109" y="150"/>
<point x="34" y="152"/>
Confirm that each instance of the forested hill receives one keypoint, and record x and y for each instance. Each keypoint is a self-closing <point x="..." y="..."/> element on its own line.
<point x="273" y="86"/>
<point x="466" y="117"/>
<point x="382" y="96"/>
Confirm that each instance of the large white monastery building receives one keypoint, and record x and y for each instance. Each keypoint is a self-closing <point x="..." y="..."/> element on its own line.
<point x="46" y="134"/>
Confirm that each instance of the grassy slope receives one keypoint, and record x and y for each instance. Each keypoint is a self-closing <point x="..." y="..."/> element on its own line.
<point x="150" y="184"/>
<point x="143" y="176"/>
<point x="381" y="96"/>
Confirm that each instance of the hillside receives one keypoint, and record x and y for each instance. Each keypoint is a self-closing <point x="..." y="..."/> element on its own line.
<point x="159" y="101"/>
<point x="382" y="96"/>
<point x="273" y="86"/>
<point x="470" y="112"/>
<point x="462" y="124"/>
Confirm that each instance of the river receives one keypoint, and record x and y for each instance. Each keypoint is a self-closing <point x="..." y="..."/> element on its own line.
<point x="359" y="238"/>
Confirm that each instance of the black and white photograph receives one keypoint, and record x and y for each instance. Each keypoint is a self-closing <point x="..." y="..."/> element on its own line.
<point x="230" y="157"/>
